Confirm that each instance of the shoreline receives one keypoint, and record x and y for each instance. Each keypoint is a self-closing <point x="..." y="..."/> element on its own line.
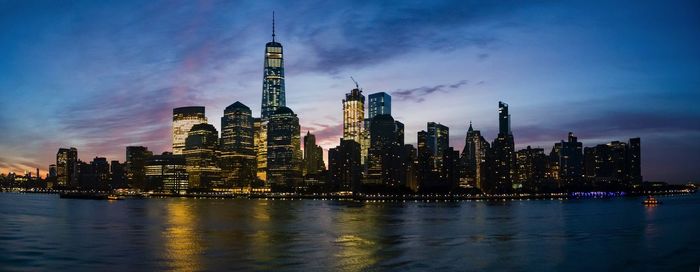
<point x="374" y="197"/>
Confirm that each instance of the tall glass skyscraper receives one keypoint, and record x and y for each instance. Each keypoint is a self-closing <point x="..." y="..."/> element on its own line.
<point x="503" y="148"/>
<point x="183" y="120"/>
<point x="273" y="96"/>
<point x="353" y="115"/>
<point x="238" y="162"/>
<point x="379" y="103"/>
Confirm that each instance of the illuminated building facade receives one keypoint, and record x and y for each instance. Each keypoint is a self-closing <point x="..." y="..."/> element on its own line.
<point x="568" y="156"/>
<point x="183" y="120"/>
<point x="273" y="94"/>
<point x="531" y="170"/>
<point x="135" y="166"/>
<point x="283" y="150"/>
<point x="379" y="103"/>
<point x="238" y="159"/>
<point x="353" y="115"/>
<point x="201" y="156"/>
<point x="474" y="158"/>
<point x="613" y="165"/>
<point x="167" y="172"/>
<point x="385" y="163"/>
<point x="260" y="142"/>
<point x="66" y="167"/>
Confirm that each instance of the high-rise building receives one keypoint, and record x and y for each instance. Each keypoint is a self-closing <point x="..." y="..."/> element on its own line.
<point x="474" y="158"/>
<point x="379" y="103"/>
<point x="117" y="178"/>
<point x="344" y="166"/>
<point x="503" y="151"/>
<point x="353" y="115"/>
<point x="437" y="141"/>
<point x="167" y="172"/>
<point x="101" y="168"/>
<point x="201" y="157"/>
<point x="273" y="94"/>
<point x="135" y="166"/>
<point x="385" y="154"/>
<point x="238" y="158"/>
<point x="615" y="164"/>
<point x="313" y="155"/>
<point x="568" y="156"/>
<point x="53" y="172"/>
<point x="67" y="167"/>
<point x="634" y="160"/>
<point x="531" y="170"/>
<point x="283" y="150"/>
<point x="260" y="142"/>
<point x="183" y="120"/>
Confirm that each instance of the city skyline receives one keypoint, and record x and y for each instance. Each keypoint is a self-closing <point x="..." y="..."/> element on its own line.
<point x="81" y="125"/>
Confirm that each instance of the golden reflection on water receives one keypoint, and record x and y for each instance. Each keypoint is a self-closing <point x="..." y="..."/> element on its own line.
<point x="356" y="250"/>
<point x="183" y="247"/>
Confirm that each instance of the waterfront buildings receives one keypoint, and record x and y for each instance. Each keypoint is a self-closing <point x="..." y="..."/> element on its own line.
<point x="283" y="150"/>
<point x="135" y="166"/>
<point x="503" y="152"/>
<point x="273" y="94"/>
<point x="615" y="164"/>
<point x="183" y="120"/>
<point x="67" y="167"/>
<point x="475" y="159"/>
<point x="344" y="167"/>
<point x="201" y="156"/>
<point x="238" y="160"/>
<point x="313" y="156"/>
<point x="568" y="158"/>
<point x="167" y="172"/>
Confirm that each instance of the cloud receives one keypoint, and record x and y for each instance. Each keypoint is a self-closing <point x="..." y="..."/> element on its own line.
<point x="418" y="94"/>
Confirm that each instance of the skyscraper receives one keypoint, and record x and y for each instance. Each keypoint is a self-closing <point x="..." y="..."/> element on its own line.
<point x="503" y="150"/>
<point x="531" y="168"/>
<point x="379" y="103"/>
<point x="283" y="150"/>
<point x="238" y="159"/>
<point x="273" y="95"/>
<point x="201" y="148"/>
<point x="183" y="120"/>
<point x="569" y="159"/>
<point x="135" y="166"/>
<point x="313" y="155"/>
<point x="385" y="154"/>
<point x="66" y="167"/>
<point x="167" y="172"/>
<point x="474" y="158"/>
<point x="344" y="166"/>
<point x="353" y="115"/>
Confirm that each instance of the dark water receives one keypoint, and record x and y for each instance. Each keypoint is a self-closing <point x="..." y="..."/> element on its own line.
<point x="43" y="232"/>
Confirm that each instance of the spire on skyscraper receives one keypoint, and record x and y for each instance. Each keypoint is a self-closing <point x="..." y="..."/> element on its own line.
<point x="273" y="26"/>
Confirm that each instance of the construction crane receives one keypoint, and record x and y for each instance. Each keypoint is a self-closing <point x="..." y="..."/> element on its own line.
<point x="356" y="85"/>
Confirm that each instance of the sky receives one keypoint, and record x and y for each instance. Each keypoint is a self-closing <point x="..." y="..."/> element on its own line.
<point x="103" y="75"/>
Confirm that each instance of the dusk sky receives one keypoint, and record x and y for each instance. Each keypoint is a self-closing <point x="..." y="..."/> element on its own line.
<point x="102" y="75"/>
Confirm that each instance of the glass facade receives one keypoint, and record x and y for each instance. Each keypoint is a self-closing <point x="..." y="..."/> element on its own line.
<point x="183" y="120"/>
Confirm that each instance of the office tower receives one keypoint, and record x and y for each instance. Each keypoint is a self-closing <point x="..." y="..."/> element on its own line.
<point x="117" y="175"/>
<point x="385" y="154"/>
<point x="283" y="150"/>
<point x="201" y="157"/>
<point x="167" y="173"/>
<point x="450" y="169"/>
<point x="399" y="132"/>
<point x="135" y="166"/>
<point x="101" y="168"/>
<point x="260" y="141"/>
<point x="474" y="158"/>
<point x="66" y="167"/>
<point x="411" y="166"/>
<point x="531" y="170"/>
<point x="53" y="171"/>
<point x="503" y="151"/>
<point x="379" y="103"/>
<point x="183" y="120"/>
<point x="353" y="115"/>
<point x="344" y="166"/>
<point x="634" y="160"/>
<point x="437" y="141"/>
<point x="568" y="157"/>
<point x="313" y="155"/>
<point x="273" y="95"/>
<point x="238" y="158"/>
<point x="425" y="162"/>
<point x="87" y="179"/>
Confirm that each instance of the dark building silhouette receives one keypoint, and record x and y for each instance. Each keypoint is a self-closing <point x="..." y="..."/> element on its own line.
<point x="614" y="165"/>
<point x="100" y="166"/>
<point x="568" y="157"/>
<point x="238" y="161"/>
<point x="283" y="150"/>
<point x="503" y="154"/>
<point x="531" y="173"/>
<point x="117" y="178"/>
<point x="385" y="165"/>
<point x="313" y="156"/>
<point x="273" y="93"/>
<point x="167" y="173"/>
<point x="411" y="167"/>
<point x="344" y="166"/>
<point x="135" y="166"/>
<point x="67" y="167"/>
<point x="474" y="159"/>
<point x="201" y="156"/>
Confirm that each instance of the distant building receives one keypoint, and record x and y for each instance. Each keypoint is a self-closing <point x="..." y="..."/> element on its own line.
<point x="273" y="93"/>
<point x="101" y="168"/>
<point x="437" y="141"/>
<point x="67" y="167"/>
<point x="474" y="159"/>
<point x="201" y="156"/>
<point x="353" y="115"/>
<point x="117" y="173"/>
<point x="260" y="141"/>
<point x="379" y="103"/>
<point x="344" y="166"/>
<point x="531" y="170"/>
<point x="238" y="160"/>
<point x="183" y="120"/>
<point x="385" y="154"/>
<point x="313" y="155"/>
<point x="568" y="157"/>
<point x="614" y="165"/>
<point x="135" y="166"/>
<point x="167" y="172"/>
<point x="283" y="150"/>
<point x="503" y="154"/>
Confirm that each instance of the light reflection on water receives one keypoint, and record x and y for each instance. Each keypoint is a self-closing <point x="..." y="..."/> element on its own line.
<point x="43" y="232"/>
